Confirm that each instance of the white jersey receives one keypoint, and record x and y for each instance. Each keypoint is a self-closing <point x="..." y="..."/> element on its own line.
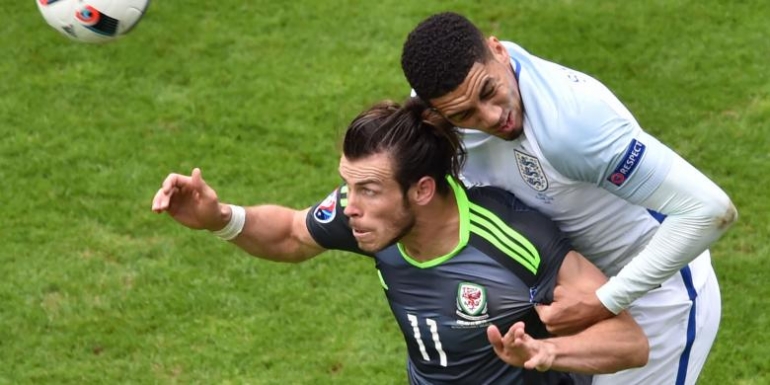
<point x="581" y="156"/>
<point x="585" y="162"/>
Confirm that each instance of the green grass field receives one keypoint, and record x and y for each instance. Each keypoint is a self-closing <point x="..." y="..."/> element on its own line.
<point x="96" y="289"/>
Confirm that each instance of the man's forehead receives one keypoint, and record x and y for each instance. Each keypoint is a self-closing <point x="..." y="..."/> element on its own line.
<point x="465" y="92"/>
<point x="376" y="168"/>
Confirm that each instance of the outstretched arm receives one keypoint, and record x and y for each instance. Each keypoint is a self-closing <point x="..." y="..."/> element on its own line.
<point x="271" y="232"/>
<point x="277" y="233"/>
<point x="608" y="346"/>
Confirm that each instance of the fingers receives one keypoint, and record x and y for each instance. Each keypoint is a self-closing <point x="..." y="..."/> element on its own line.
<point x="558" y="291"/>
<point x="507" y="347"/>
<point x="170" y="186"/>
<point x="495" y="338"/>
<point x="518" y="332"/>
<point x="545" y="312"/>
<point x="535" y="363"/>
<point x="196" y="179"/>
<point x="539" y="361"/>
<point x="518" y="327"/>
<point x="162" y="200"/>
<point x="518" y="348"/>
<point x="174" y="180"/>
<point x="516" y="337"/>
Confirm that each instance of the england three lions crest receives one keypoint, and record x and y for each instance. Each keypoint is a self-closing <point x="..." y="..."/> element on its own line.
<point x="531" y="171"/>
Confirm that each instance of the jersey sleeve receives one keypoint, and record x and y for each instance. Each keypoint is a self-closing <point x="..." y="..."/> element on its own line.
<point x="328" y="224"/>
<point x="597" y="140"/>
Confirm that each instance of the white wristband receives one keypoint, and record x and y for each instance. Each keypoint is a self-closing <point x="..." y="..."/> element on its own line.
<point x="235" y="225"/>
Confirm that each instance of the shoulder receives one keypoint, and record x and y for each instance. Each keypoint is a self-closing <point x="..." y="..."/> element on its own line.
<point x="589" y="132"/>
<point x="496" y="205"/>
<point x="518" y="237"/>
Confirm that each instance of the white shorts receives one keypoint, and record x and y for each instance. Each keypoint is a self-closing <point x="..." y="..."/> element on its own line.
<point x="680" y="319"/>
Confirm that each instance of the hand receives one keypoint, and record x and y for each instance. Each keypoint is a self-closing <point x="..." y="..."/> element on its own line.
<point x="517" y="348"/>
<point x="571" y="311"/>
<point x="190" y="201"/>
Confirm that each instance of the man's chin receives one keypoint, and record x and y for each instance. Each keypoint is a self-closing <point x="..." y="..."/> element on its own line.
<point x="511" y="135"/>
<point x="370" y="248"/>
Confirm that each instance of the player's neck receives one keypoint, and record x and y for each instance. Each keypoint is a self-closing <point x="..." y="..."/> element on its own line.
<point x="436" y="231"/>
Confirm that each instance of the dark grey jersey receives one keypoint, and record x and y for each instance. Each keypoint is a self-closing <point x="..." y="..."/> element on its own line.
<point x="506" y="261"/>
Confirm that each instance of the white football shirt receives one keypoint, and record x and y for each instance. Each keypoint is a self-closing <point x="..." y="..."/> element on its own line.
<point x="581" y="156"/>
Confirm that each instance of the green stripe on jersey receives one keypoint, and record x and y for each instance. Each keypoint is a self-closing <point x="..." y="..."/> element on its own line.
<point x="382" y="280"/>
<point x="508" y="240"/>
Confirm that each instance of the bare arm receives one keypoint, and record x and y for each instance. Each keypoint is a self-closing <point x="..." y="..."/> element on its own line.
<point x="277" y="233"/>
<point x="608" y="346"/>
<point x="605" y="347"/>
<point x="270" y="232"/>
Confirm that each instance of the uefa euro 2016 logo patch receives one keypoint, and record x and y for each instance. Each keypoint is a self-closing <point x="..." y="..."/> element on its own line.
<point x="326" y="210"/>
<point x="531" y="171"/>
<point x="627" y="165"/>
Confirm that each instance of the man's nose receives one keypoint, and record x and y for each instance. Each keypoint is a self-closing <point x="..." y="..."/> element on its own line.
<point x="351" y="210"/>
<point x="489" y="116"/>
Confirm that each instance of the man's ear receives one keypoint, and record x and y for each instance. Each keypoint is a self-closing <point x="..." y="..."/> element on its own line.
<point x="422" y="192"/>
<point x="498" y="50"/>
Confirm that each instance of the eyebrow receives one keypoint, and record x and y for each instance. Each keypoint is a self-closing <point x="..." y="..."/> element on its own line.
<point x="485" y="87"/>
<point x="367" y="181"/>
<point x="486" y="83"/>
<point x="362" y="182"/>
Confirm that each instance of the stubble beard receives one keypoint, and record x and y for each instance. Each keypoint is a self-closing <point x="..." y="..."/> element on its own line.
<point x="408" y="221"/>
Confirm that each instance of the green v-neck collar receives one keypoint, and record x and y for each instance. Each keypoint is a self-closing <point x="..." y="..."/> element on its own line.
<point x="463" y="205"/>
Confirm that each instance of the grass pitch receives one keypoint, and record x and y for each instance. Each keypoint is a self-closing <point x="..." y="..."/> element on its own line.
<point x="96" y="289"/>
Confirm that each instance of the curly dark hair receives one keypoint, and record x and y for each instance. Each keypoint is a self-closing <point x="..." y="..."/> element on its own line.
<point x="439" y="53"/>
<point x="418" y="141"/>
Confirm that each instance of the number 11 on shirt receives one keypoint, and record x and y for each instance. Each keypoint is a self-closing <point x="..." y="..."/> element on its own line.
<point x="434" y="334"/>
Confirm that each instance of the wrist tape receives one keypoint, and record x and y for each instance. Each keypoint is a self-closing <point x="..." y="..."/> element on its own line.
<point x="235" y="225"/>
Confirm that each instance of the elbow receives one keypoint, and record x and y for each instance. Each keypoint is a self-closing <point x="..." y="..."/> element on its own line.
<point x="719" y="212"/>
<point x="641" y="354"/>
<point x="639" y="349"/>
<point x="729" y="215"/>
<point x="636" y="354"/>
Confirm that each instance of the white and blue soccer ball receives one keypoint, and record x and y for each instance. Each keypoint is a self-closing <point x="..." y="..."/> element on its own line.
<point x="93" y="21"/>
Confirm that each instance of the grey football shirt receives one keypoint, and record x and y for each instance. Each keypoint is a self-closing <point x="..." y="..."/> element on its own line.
<point x="506" y="261"/>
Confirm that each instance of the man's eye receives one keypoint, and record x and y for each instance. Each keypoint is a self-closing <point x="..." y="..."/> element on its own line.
<point x="460" y="116"/>
<point x="487" y="93"/>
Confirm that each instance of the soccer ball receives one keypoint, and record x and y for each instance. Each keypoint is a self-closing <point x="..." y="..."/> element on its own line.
<point x="93" y="21"/>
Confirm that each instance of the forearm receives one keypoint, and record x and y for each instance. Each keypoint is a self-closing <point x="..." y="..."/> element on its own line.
<point x="698" y="213"/>
<point x="276" y="233"/>
<point x="614" y="344"/>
